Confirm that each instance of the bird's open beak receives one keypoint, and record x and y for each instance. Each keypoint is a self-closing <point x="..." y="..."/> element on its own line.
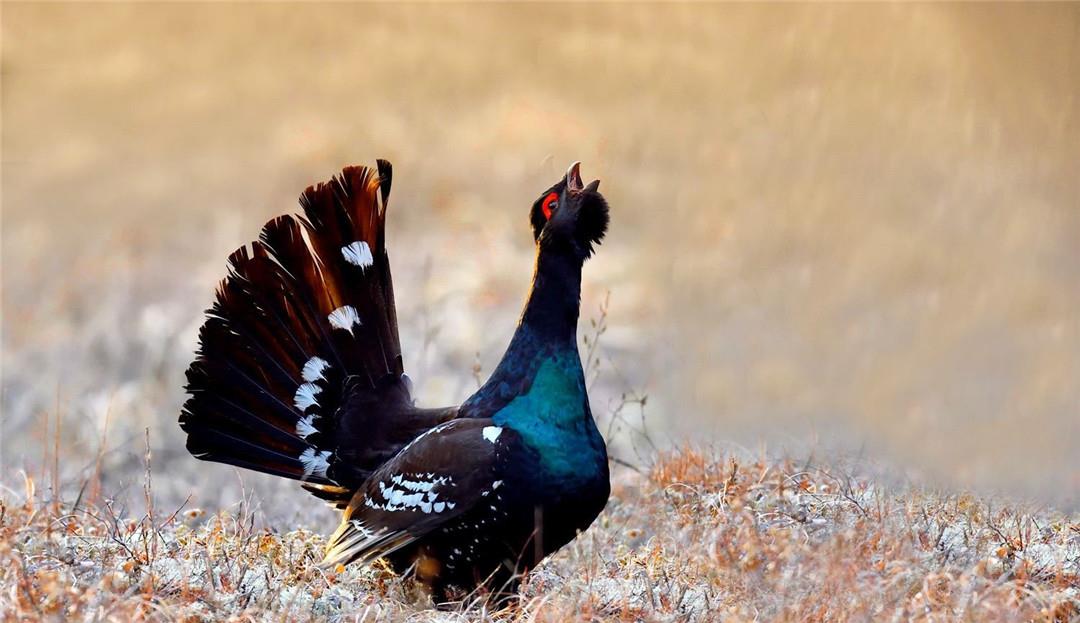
<point x="573" y="180"/>
<point x="573" y="177"/>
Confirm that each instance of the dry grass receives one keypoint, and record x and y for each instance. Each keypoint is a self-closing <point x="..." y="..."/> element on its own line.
<point x="702" y="536"/>
<point x="848" y="221"/>
<point x="852" y="221"/>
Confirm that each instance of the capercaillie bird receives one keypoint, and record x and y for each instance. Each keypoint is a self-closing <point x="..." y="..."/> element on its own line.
<point x="299" y="374"/>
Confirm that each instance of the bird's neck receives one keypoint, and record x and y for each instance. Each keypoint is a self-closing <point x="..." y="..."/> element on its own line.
<point x="538" y="389"/>
<point x="547" y="329"/>
<point x="551" y="311"/>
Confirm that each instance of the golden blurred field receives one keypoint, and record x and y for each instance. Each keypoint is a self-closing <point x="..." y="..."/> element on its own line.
<point x="845" y="228"/>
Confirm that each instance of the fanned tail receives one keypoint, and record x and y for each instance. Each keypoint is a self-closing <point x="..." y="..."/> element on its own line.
<point x="303" y="326"/>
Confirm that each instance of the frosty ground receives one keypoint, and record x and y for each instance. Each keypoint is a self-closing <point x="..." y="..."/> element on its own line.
<point x="698" y="535"/>
<point x="859" y="228"/>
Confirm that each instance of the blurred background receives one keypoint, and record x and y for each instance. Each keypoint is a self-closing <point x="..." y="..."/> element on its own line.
<point x="836" y="229"/>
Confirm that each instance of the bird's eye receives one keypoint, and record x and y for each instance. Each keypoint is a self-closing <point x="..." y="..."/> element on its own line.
<point x="550" y="203"/>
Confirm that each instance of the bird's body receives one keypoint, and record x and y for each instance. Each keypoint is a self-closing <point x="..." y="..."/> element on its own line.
<point x="299" y="374"/>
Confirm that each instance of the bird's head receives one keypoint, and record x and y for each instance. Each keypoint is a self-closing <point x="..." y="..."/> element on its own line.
<point x="569" y="216"/>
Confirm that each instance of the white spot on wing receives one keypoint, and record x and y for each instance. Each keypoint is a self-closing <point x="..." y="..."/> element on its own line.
<point x="344" y="317"/>
<point x="315" y="462"/>
<point x="491" y="433"/>
<point x="361" y="528"/>
<point x="313" y="369"/>
<point x="402" y="494"/>
<point x="305" y="396"/>
<point x="306" y="426"/>
<point x="358" y="254"/>
<point x="438" y="429"/>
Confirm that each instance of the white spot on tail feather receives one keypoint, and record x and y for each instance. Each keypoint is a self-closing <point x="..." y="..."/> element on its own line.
<point x="306" y="426"/>
<point x="491" y="433"/>
<point x="313" y="369"/>
<point x="315" y="462"/>
<point x="358" y="254"/>
<point x="344" y="317"/>
<point x="305" y="396"/>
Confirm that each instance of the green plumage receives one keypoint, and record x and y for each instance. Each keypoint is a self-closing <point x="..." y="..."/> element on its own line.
<point x="552" y="418"/>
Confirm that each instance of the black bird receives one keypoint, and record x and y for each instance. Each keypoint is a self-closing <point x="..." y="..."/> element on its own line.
<point x="299" y="374"/>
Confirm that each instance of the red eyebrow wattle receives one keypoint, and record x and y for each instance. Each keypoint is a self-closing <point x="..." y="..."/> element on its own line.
<point x="546" y="206"/>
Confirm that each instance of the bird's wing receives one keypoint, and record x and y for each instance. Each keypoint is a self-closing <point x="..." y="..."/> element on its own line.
<point x="437" y="478"/>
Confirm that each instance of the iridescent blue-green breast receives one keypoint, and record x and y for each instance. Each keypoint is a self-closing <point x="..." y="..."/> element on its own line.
<point x="553" y="418"/>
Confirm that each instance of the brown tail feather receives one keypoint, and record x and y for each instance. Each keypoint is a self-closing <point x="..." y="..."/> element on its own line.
<point x="309" y="306"/>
